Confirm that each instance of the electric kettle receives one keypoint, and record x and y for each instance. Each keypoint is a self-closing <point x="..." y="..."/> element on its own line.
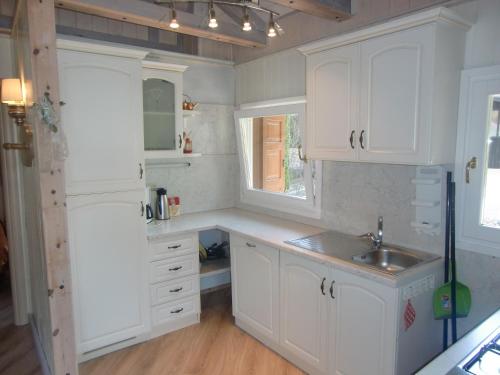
<point x="162" y="204"/>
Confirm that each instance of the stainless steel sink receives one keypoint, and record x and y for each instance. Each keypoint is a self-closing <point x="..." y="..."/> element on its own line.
<point x="390" y="259"/>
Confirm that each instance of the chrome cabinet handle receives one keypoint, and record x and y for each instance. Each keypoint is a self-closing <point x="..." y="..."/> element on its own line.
<point x="176" y="290"/>
<point x="176" y="311"/>
<point x="142" y="208"/>
<point x="249" y="244"/>
<point x="351" y="139"/>
<point x="175" y="268"/>
<point x="174" y="246"/>
<point x="331" y="289"/>
<point x="361" y="139"/>
<point x="471" y="164"/>
<point x="302" y="157"/>
<point x="322" y="287"/>
<point x="141" y="171"/>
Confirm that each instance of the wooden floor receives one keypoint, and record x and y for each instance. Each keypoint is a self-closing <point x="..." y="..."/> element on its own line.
<point x="17" y="351"/>
<point x="213" y="347"/>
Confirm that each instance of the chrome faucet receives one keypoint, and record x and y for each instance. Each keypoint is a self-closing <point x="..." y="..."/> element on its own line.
<point x="376" y="238"/>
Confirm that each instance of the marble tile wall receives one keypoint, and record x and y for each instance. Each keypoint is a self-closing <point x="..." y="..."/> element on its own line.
<point x="212" y="180"/>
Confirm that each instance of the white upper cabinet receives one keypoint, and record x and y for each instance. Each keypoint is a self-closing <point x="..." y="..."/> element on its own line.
<point x="162" y="109"/>
<point x="396" y="81"/>
<point x="332" y="115"/>
<point x="255" y="283"/>
<point x="102" y="118"/>
<point x="393" y="87"/>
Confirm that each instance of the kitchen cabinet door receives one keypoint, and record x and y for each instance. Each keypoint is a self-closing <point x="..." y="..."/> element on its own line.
<point x="303" y="312"/>
<point x="332" y="103"/>
<point x="102" y="118"/>
<point x="363" y="326"/>
<point x="396" y="96"/>
<point x="108" y="249"/>
<point x="255" y="283"/>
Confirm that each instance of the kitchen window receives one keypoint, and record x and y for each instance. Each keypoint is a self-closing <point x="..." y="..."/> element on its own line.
<point x="275" y="171"/>
<point x="477" y="170"/>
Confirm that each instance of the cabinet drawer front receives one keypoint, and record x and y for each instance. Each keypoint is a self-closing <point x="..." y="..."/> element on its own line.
<point x="169" y="269"/>
<point x="172" y="247"/>
<point x="169" y="312"/>
<point x="175" y="289"/>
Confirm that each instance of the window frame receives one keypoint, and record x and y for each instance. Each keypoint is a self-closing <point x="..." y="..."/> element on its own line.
<point x="309" y="207"/>
<point x="472" y="237"/>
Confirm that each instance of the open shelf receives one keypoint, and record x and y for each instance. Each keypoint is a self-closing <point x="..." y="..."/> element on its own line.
<point x="214" y="267"/>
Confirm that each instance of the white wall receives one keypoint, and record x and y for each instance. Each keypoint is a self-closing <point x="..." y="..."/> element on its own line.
<point x="354" y="194"/>
<point x="6" y="71"/>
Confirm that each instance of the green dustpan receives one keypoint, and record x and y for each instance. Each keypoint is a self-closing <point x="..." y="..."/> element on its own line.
<point x="441" y="301"/>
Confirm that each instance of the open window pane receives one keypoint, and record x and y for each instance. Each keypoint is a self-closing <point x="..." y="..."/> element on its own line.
<point x="271" y="146"/>
<point x="491" y="192"/>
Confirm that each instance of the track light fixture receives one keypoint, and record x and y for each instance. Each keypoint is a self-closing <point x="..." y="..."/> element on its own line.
<point x="245" y="23"/>
<point x="212" y="21"/>
<point x="271" y="28"/>
<point x="173" y="20"/>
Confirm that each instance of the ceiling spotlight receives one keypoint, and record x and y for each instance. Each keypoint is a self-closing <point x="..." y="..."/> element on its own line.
<point x="173" y="20"/>
<point x="245" y="24"/>
<point x="212" y="23"/>
<point x="271" y="28"/>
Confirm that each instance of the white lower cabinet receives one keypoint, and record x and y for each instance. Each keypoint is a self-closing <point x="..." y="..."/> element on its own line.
<point x="174" y="283"/>
<point x="362" y="321"/>
<point x="255" y="280"/>
<point x="303" y="312"/>
<point x="107" y="248"/>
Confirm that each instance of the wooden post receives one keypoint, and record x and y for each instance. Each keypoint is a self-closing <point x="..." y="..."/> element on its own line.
<point x="35" y="35"/>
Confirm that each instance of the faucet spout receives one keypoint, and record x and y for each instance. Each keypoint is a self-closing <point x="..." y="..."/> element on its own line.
<point x="376" y="238"/>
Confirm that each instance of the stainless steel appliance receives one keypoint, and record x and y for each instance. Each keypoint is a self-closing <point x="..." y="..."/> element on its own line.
<point x="162" y="204"/>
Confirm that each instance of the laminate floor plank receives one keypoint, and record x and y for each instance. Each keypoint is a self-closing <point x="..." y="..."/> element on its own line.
<point x="17" y="349"/>
<point x="213" y="347"/>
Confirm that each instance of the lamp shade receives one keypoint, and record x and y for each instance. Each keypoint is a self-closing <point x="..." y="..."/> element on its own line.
<point x="11" y="91"/>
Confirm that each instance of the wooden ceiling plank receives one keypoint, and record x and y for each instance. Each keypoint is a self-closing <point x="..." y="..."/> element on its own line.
<point x="331" y="9"/>
<point x="153" y="15"/>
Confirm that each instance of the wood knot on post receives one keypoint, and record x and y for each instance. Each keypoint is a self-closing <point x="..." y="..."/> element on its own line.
<point x="50" y="292"/>
<point x="56" y="332"/>
<point x="61" y="286"/>
<point x="36" y="51"/>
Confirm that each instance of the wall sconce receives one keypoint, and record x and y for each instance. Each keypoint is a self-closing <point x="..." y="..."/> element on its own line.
<point x="12" y="95"/>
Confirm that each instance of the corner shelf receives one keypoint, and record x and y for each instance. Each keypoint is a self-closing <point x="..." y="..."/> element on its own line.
<point x="214" y="267"/>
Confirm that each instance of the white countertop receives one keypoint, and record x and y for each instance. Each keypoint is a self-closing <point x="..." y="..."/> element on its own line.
<point x="273" y="232"/>
<point x="456" y="353"/>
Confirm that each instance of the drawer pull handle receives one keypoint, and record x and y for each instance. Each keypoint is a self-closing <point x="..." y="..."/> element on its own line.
<point x="322" y="287"/>
<point x="176" y="290"/>
<point x="249" y="244"/>
<point x="177" y="311"/>
<point x="351" y="139"/>
<point x="174" y="246"/>
<point x="362" y="139"/>
<point x="175" y="268"/>
<point x="331" y="289"/>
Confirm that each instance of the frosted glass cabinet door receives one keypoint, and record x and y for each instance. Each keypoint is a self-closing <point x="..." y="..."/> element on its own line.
<point x="396" y="82"/>
<point x="332" y="109"/>
<point x="102" y="119"/>
<point x="108" y="252"/>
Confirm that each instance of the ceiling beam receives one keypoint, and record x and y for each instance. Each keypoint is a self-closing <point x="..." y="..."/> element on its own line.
<point x="153" y="15"/>
<point x="331" y="9"/>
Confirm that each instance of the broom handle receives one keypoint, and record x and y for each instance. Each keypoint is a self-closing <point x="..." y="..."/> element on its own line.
<point x="447" y="253"/>
<point x="453" y="266"/>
